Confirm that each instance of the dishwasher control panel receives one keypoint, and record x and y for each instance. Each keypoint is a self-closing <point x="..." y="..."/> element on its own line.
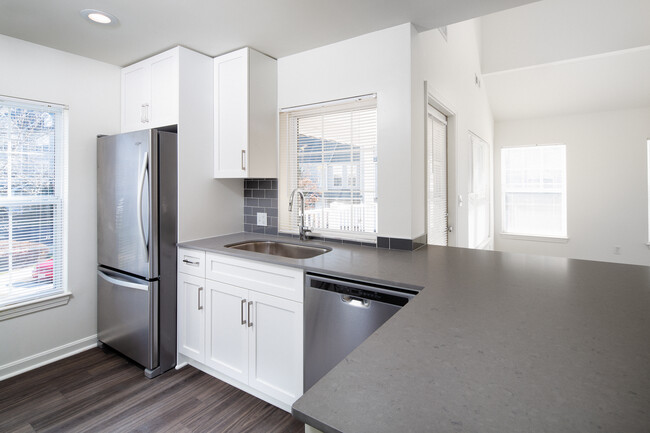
<point x="371" y="292"/>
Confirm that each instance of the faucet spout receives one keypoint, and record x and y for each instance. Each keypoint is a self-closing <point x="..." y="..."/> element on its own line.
<point x="302" y="230"/>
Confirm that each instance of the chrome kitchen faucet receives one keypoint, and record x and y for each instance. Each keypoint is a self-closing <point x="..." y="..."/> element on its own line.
<point x="301" y="225"/>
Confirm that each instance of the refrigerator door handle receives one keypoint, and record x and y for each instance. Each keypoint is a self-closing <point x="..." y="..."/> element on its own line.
<point x="123" y="283"/>
<point x="143" y="176"/>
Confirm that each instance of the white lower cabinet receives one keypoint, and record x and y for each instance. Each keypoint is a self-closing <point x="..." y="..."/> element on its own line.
<point x="227" y="330"/>
<point x="191" y="316"/>
<point x="251" y="326"/>
<point x="275" y="343"/>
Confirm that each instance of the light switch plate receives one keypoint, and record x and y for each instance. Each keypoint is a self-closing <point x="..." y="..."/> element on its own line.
<point x="261" y="218"/>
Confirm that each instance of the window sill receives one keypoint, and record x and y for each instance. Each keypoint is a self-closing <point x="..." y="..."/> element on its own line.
<point x="556" y="239"/>
<point x="11" y="311"/>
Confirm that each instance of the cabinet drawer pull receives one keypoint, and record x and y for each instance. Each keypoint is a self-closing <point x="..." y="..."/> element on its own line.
<point x="191" y="263"/>
<point x="250" y="318"/>
<point x="243" y="160"/>
<point x="144" y="113"/>
<point x="199" y="297"/>
<point x="241" y="310"/>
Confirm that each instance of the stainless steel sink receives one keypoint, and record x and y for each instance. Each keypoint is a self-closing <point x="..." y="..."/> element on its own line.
<point x="284" y="249"/>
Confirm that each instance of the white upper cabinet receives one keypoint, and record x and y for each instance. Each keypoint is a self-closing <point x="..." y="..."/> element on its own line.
<point x="165" y="88"/>
<point x="245" y="115"/>
<point x="150" y="90"/>
<point x="135" y="97"/>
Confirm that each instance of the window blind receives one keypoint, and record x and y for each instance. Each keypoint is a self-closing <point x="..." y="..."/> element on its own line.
<point x="32" y="140"/>
<point x="330" y="153"/>
<point x="479" y="196"/>
<point x="436" y="177"/>
<point x="533" y="185"/>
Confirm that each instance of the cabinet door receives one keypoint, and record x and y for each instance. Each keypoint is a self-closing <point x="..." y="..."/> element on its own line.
<point x="164" y="89"/>
<point x="231" y="114"/>
<point x="191" y="316"/>
<point x="227" y="329"/>
<point x="136" y="97"/>
<point x="275" y="347"/>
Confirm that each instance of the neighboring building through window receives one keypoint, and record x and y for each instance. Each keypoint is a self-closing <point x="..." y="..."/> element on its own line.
<point x="533" y="190"/>
<point x="32" y="142"/>
<point x="330" y="153"/>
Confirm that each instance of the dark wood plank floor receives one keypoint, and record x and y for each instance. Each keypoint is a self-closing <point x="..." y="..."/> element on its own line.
<point x="102" y="392"/>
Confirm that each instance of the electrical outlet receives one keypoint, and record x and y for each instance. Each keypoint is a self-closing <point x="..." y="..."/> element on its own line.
<point x="261" y="218"/>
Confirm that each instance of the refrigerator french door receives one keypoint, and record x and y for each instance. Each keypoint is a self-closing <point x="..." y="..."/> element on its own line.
<point x="136" y="236"/>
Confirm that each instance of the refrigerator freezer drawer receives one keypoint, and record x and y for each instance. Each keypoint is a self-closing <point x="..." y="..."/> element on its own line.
<point x="127" y="316"/>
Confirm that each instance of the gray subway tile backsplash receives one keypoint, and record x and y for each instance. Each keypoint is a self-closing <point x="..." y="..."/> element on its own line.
<point x="261" y="195"/>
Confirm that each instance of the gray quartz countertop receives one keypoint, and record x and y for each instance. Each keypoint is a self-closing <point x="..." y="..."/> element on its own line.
<point x="494" y="342"/>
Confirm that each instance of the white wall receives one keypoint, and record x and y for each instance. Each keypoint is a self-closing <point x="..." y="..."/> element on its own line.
<point x="606" y="183"/>
<point x="394" y="63"/>
<point x="449" y="67"/>
<point x="380" y="63"/>
<point x="206" y="206"/>
<point x="91" y="89"/>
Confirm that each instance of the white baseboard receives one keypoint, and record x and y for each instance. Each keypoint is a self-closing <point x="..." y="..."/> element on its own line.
<point x="38" y="360"/>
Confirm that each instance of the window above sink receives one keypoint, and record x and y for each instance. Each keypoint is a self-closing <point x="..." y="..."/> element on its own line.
<point x="329" y="151"/>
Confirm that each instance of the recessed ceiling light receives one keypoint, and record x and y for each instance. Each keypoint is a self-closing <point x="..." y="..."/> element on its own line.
<point x="100" y="17"/>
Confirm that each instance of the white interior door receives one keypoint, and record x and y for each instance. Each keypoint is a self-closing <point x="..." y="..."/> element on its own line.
<point x="437" y="226"/>
<point x="480" y="196"/>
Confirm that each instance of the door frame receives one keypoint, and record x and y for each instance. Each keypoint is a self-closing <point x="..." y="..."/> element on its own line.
<point x="432" y="98"/>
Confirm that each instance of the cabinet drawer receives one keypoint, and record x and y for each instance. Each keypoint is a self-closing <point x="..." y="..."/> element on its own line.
<point x="261" y="277"/>
<point x="191" y="262"/>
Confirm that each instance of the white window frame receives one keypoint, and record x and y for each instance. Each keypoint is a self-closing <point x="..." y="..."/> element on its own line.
<point x="534" y="236"/>
<point x="286" y="183"/>
<point x="49" y="300"/>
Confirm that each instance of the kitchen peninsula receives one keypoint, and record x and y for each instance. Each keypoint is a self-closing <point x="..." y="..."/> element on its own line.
<point x="493" y="342"/>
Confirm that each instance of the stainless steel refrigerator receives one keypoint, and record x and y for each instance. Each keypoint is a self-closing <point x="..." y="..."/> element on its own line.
<point x="136" y="246"/>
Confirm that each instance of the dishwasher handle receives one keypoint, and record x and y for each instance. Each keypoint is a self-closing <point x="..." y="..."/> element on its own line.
<point x="355" y="302"/>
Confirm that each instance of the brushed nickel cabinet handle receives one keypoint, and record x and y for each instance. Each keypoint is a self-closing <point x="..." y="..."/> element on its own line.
<point x="241" y="310"/>
<point x="243" y="160"/>
<point x="191" y="263"/>
<point x="250" y="321"/>
<point x="144" y="113"/>
<point x="199" y="297"/>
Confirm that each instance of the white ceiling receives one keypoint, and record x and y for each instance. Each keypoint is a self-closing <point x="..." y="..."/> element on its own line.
<point x="560" y="57"/>
<point x="555" y="30"/>
<point x="276" y="27"/>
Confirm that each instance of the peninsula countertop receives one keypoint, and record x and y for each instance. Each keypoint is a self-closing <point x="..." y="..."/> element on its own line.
<point x="494" y="342"/>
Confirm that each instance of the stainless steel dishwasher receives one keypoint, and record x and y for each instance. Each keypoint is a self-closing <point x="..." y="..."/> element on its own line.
<point x="339" y="315"/>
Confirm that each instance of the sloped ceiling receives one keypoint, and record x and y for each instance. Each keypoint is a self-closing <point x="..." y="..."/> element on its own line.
<point x="276" y="27"/>
<point x="559" y="57"/>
